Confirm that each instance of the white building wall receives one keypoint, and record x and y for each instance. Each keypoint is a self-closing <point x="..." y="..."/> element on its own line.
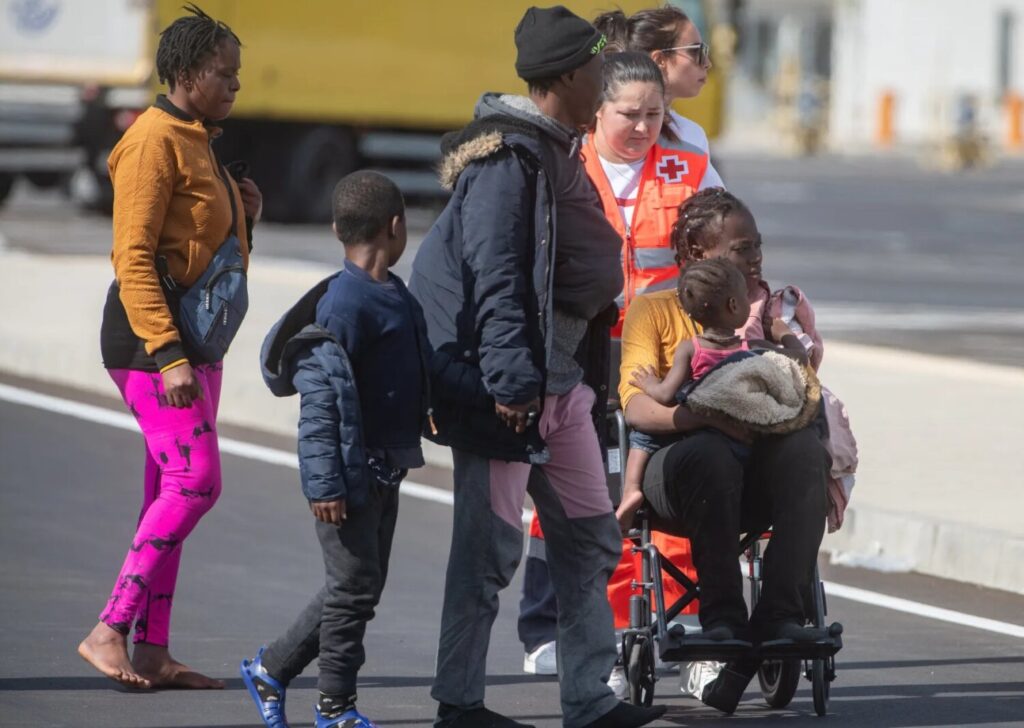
<point x="928" y="53"/>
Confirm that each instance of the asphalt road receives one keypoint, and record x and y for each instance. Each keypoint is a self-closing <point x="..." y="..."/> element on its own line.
<point x="889" y="252"/>
<point x="69" y="495"/>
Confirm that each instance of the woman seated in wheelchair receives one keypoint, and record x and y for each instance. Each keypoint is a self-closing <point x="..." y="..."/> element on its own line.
<point x="715" y="476"/>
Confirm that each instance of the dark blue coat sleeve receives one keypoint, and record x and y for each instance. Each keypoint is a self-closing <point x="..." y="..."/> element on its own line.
<point x="320" y="461"/>
<point x="497" y="246"/>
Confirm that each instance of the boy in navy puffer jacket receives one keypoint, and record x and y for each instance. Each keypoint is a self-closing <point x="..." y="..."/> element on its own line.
<point x="349" y="348"/>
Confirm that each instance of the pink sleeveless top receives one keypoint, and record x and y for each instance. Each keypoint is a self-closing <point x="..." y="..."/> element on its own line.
<point x="705" y="359"/>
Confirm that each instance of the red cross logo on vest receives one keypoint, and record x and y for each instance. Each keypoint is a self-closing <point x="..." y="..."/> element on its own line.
<point x="672" y="169"/>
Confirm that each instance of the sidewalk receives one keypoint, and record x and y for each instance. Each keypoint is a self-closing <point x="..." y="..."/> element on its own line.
<point x="939" y="489"/>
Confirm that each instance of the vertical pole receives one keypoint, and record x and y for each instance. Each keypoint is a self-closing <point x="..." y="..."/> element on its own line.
<point x="885" y="130"/>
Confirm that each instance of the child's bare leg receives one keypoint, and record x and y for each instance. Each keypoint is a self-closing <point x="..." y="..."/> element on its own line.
<point x="154" y="662"/>
<point x="106" y="649"/>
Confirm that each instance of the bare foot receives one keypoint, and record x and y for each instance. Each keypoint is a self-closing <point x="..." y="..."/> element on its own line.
<point x="155" y="663"/>
<point x="106" y="649"/>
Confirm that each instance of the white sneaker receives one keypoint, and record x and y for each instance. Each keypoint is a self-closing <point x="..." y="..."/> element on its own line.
<point x="542" y="661"/>
<point x="618" y="683"/>
<point x="694" y="676"/>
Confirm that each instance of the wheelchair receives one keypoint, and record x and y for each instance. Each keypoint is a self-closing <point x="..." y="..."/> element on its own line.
<point x="782" y="663"/>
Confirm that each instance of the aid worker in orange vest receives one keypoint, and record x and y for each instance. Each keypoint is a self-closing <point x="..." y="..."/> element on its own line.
<point x="644" y="162"/>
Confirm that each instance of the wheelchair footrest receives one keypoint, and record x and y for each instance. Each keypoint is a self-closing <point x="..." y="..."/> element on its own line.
<point x="678" y="648"/>
<point x="828" y="645"/>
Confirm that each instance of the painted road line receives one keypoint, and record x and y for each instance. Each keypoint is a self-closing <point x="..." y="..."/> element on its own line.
<point x="921" y="610"/>
<point x="273" y="456"/>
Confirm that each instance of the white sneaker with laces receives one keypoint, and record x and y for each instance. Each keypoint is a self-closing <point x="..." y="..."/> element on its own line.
<point x="694" y="676"/>
<point x="542" y="661"/>
<point x="618" y="683"/>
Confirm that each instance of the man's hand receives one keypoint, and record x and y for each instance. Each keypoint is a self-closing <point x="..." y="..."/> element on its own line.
<point x="181" y="387"/>
<point x="252" y="198"/>
<point x="332" y="511"/>
<point x="518" y="416"/>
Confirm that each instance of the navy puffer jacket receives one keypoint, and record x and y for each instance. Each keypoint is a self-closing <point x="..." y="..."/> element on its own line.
<point x="484" y="276"/>
<point x="298" y="356"/>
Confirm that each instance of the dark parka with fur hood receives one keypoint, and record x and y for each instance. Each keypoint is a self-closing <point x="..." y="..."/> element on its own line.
<point x="485" y="276"/>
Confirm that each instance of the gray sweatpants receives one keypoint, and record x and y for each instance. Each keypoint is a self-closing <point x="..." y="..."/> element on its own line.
<point x="583" y="547"/>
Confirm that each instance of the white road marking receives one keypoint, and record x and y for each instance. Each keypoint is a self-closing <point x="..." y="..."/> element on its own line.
<point x="273" y="456"/>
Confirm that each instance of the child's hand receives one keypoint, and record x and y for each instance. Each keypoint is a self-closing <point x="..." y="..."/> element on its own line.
<point x="645" y="377"/>
<point x="632" y="499"/>
<point x="779" y="329"/>
<point x="329" y="511"/>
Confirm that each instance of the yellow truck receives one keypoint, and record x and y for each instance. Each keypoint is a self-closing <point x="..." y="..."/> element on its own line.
<point x="327" y="85"/>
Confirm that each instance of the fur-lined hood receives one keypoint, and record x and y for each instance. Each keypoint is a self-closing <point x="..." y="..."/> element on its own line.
<point x="500" y="120"/>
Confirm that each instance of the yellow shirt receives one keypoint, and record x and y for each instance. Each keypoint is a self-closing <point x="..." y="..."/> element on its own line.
<point x="169" y="200"/>
<point x="655" y="325"/>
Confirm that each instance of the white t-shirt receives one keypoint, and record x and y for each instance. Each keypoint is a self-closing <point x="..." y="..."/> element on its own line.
<point x="694" y="139"/>
<point x="624" y="180"/>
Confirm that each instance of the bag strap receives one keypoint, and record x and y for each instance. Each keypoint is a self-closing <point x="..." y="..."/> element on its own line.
<point x="160" y="261"/>
<point x="231" y="197"/>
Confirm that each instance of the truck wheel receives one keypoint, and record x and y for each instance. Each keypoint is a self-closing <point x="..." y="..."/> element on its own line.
<point x="6" y="183"/>
<point x="321" y="157"/>
<point x="45" y="180"/>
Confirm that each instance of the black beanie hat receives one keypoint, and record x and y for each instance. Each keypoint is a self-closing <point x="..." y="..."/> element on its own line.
<point x="553" y="41"/>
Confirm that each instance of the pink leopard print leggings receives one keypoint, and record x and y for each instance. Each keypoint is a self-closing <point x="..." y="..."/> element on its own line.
<point x="182" y="482"/>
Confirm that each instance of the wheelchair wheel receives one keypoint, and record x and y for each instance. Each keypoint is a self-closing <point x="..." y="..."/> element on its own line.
<point x="779" y="680"/>
<point x="639" y="662"/>
<point x="820" y="686"/>
<point x="823" y="671"/>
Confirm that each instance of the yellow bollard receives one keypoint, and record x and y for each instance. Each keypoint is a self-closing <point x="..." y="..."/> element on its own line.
<point x="1014" y="121"/>
<point x="885" y="131"/>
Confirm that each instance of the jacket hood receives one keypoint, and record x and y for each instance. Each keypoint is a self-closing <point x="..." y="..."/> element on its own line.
<point x="500" y="120"/>
<point x="292" y="332"/>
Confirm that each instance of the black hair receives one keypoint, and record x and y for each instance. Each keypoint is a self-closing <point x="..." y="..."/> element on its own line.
<point x="698" y="218"/>
<point x="187" y="42"/>
<point x="645" y="31"/>
<point x="622" y="68"/>
<point x="706" y="285"/>
<point x="364" y="203"/>
<point x="541" y="86"/>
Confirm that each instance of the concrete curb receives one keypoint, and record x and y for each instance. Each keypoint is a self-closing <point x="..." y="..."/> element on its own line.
<point x="939" y="438"/>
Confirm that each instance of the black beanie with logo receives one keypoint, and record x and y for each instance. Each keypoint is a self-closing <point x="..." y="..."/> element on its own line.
<point x="554" y="41"/>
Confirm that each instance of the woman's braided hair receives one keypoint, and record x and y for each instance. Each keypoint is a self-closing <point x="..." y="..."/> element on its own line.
<point x="706" y="285"/>
<point x="187" y="42"/>
<point x="698" y="219"/>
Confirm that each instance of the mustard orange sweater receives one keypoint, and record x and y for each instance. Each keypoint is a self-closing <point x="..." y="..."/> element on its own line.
<point x="171" y="200"/>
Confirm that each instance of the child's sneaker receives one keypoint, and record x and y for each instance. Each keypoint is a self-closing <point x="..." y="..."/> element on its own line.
<point x="349" y="719"/>
<point x="266" y="692"/>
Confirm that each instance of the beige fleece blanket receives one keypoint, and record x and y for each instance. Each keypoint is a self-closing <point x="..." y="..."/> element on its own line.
<point x="770" y="393"/>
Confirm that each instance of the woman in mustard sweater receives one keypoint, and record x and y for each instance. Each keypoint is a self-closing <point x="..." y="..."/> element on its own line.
<point x="174" y="206"/>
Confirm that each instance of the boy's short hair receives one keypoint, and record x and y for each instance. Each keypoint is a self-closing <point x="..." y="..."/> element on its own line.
<point x="363" y="203"/>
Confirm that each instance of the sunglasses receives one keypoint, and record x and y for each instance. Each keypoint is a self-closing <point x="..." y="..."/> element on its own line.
<point x="701" y="57"/>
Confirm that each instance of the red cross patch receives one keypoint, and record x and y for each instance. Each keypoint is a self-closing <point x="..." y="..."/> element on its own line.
<point x="672" y="169"/>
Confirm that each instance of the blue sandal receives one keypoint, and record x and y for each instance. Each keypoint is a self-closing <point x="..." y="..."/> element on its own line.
<point x="349" y="719"/>
<point x="270" y="700"/>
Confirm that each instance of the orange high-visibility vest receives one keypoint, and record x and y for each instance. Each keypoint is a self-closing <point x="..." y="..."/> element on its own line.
<point x="669" y="177"/>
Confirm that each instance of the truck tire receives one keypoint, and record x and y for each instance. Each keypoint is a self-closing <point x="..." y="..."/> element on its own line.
<point x="6" y="183"/>
<point x="320" y="158"/>
<point x="45" y="180"/>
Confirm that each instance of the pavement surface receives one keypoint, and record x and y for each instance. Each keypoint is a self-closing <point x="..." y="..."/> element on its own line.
<point x="69" y="495"/>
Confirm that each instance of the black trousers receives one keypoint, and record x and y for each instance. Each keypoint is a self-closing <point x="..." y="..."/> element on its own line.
<point x="332" y="625"/>
<point x="698" y="488"/>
